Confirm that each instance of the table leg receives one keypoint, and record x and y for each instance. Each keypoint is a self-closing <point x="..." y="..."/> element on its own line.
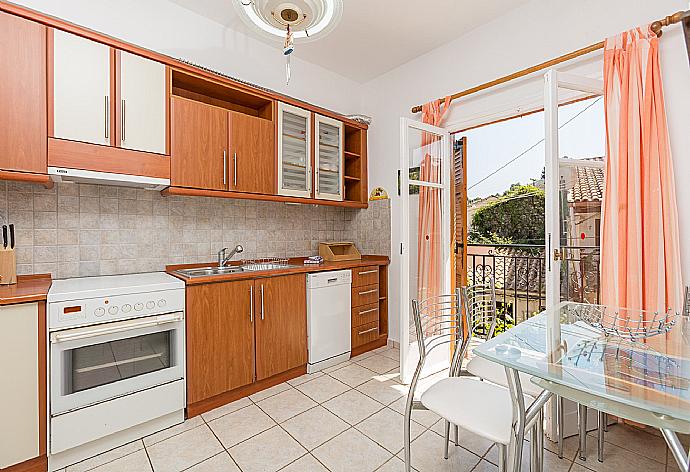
<point x="682" y="457"/>
<point x="560" y="420"/>
<point x="582" y="425"/>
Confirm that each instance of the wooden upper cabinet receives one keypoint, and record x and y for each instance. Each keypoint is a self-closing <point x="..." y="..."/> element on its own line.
<point x="23" y="131"/>
<point x="281" y="324"/>
<point x="328" y="158"/>
<point x="294" y="151"/>
<point x="199" y="139"/>
<point x="252" y="152"/>
<point x="143" y="104"/>
<point x="220" y="338"/>
<point x="82" y="98"/>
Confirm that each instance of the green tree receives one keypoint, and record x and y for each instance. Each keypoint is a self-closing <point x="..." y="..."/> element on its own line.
<point x="517" y="217"/>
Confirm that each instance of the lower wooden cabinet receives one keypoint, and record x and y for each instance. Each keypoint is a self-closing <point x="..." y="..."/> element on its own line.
<point x="243" y="331"/>
<point x="220" y="338"/>
<point x="281" y="325"/>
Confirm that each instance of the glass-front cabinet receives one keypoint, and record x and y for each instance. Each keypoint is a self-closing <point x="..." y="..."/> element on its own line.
<point x="294" y="151"/>
<point x="328" y="158"/>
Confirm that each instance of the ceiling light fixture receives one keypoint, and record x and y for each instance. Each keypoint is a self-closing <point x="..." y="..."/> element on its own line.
<point x="293" y="20"/>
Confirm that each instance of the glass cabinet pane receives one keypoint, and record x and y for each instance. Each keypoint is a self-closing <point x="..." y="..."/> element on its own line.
<point x="294" y="151"/>
<point x="329" y="157"/>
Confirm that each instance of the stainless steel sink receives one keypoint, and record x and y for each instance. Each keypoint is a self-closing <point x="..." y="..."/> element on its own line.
<point x="256" y="266"/>
<point x="209" y="271"/>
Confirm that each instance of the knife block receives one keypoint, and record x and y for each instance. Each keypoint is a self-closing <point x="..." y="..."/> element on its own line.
<point x="8" y="267"/>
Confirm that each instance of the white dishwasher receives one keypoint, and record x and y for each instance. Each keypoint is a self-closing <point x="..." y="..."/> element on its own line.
<point x="328" y="318"/>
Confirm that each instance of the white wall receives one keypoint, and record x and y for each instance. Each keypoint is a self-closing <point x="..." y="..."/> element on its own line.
<point x="541" y="30"/>
<point x="165" y="27"/>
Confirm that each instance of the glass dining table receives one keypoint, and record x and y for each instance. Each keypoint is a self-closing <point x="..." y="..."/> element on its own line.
<point x="612" y="367"/>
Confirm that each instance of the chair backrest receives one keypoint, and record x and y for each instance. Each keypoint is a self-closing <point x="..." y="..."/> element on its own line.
<point x="479" y="304"/>
<point x="438" y="322"/>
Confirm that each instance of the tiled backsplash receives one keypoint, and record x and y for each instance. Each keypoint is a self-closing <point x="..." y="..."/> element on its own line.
<point x="76" y="230"/>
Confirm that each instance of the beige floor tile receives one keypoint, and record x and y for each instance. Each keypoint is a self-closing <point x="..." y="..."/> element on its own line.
<point x="635" y="440"/>
<point x="225" y="409"/>
<point x="184" y="450"/>
<point x="333" y="368"/>
<point x="383" y="390"/>
<point x="392" y="353"/>
<point x="286" y="404"/>
<point x="170" y="432"/>
<point x="314" y="427"/>
<point x="218" y="463"/>
<point x="269" y="392"/>
<point x="353" y="375"/>
<point x="136" y="462"/>
<point x="617" y="458"/>
<point x="470" y="441"/>
<point x="241" y="425"/>
<point x="379" y="364"/>
<point x="353" y="406"/>
<point x="305" y="378"/>
<point x="267" y="452"/>
<point x="424" y="417"/>
<point x="394" y="465"/>
<point x="427" y="456"/>
<point x="106" y="457"/>
<point x="323" y="388"/>
<point x="551" y="461"/>
<point x="363" y="356"/>
<point x="386" y="428"/>
<point x="351" y="451"/>
<point x="306" y="463"/>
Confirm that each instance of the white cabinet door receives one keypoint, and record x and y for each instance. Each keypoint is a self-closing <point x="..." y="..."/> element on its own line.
<point x="142" y="104"/>
<point x="328" y="150"/>
<point x="81" y="89"/>
<point x="294" y="151"/>
<point x="19" y="395"/>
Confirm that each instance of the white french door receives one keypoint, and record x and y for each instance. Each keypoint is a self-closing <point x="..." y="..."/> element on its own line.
<point x="425" y="154"/>
<point x="571" y="222"/>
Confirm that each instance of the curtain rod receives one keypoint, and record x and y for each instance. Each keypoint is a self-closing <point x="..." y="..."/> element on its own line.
<point x="656" y="27"/>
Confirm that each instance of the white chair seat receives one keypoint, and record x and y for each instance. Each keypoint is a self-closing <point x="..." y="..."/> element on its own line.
<point x="481" y="408"/>
<point x="496" y="373"/>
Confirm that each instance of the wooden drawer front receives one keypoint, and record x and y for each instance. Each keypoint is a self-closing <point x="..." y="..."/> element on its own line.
<point x="362" y="315"/>
<point x="362" y="276"/>
<point x="365" y="295"/>
<point x="365" y="334"/>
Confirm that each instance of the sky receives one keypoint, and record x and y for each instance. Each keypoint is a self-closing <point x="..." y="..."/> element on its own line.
<point x="490" y="147"/>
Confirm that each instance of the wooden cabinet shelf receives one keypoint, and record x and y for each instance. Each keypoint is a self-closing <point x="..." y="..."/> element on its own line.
<point x="352" y="179"/>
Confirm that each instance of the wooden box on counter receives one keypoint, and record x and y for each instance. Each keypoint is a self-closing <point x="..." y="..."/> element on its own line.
<point x="339" y="251"/>
<point x="8" y="267"/>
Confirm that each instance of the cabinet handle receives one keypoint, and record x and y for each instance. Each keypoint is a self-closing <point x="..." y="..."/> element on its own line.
<point x="369" y="291"/>
<point x="107" y="117"/>
<point x="368" y="311"/>
<point x="367" y="331"/>
<point x="251" y="304"/>
<point x="225" y="168"/>
<point x="123" y="120"/>
<point x="234" y="169"/>
<point x="262" y="302"/>
<point x="368" y="272"/>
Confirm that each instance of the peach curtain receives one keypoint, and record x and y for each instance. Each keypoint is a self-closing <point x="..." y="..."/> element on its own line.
<point x="430" y="272"/>
<point x="640" y="249"/>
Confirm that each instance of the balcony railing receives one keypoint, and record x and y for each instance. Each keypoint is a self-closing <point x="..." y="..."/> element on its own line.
<point x="520" y="276"/>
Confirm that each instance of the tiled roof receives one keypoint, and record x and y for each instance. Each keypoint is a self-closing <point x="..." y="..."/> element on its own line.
<point x="588" y="185"/>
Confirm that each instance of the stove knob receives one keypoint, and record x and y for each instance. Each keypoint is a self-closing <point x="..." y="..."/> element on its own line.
<point x="150" y="305"/>
<point x="99" y="312"/>
<point x="112" y="310"/>
<point x="162" y="303"/>
<point x="138" y="306"/>
<point x="126" y="308"/>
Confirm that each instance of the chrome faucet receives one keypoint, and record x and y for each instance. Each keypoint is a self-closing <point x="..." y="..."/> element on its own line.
<point x="223" y="259"/>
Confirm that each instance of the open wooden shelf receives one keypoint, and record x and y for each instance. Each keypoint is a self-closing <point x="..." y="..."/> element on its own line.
<point x="351" y="155"/>
<point x="356" y="187"/>
<point x="353" y="179"/>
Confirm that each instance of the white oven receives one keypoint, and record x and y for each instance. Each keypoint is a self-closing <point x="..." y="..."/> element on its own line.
<point x="116" y="362"/>
<point x="96" y="363"/>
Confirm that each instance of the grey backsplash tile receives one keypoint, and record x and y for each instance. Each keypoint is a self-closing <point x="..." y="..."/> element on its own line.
<point x="77" y="230"/>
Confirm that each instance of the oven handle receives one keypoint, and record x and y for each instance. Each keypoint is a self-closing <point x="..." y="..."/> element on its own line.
<point x="160" y="320"/>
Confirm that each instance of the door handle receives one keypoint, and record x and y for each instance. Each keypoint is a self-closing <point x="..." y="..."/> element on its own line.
<point x="127" y="326"/>
<point x="234" y="169"/>
<point x="225" y="167"/>
<point x="367" y="331"/>
<point x="262" y="302"/>
<point x="251" y="304"/>
<point x="123" y="120"/>
<point x="368" y="272"/>
<point x="368" y="311"/>
<point x="558" y="255"/>
<point x="369" y="291"/>
<point x="107" y="117"/>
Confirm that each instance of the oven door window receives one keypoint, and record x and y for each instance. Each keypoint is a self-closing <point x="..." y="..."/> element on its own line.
<point x="105" y="363"/>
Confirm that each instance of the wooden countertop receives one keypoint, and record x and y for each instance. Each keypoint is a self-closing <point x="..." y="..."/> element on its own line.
<point x="29" y="288"/>
<point x="298" y="261"/>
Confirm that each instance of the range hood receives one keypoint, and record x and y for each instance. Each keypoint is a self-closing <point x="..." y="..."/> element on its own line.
<point x="62" y="174"/>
